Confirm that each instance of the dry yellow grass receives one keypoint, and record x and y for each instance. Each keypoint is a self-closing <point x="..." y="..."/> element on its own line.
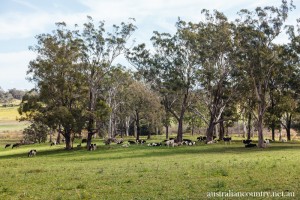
<point x="9" y="114"/>
<point x="9" y="126"/>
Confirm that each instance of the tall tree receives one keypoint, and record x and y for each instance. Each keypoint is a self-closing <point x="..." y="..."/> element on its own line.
<point x="212" y="41"/>
<point x="58" y="76"/>
<point x="143" y="103"/>
<point x="100" y="49"/>
<point x="255" y="40"/>
<point x="170" y="69"/>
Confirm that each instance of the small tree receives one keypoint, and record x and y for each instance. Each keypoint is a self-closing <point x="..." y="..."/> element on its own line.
<point x="36" y="132"/>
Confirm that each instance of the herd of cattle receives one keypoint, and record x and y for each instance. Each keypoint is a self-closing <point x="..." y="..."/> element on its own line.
<point x="171" y="142"/>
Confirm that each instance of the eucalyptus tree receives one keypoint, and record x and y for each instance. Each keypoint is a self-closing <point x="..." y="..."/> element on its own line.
<point x="289" y="79"/>
<point x="217" y="80"/>
<point x="117" y="82"/>
<point x="59" y="80"/>
<point x="99" y="50"/>
<point x="170" y="69"/>
<point x="255" y="35"/>
<point x="143" y="103"/>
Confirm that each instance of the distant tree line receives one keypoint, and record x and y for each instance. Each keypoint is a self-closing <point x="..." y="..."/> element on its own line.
<point x="6" y="98"/>
<point x="208" y="74"/>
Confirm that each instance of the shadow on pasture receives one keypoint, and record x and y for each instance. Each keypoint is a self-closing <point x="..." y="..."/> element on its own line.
<point x="143" y="151"/>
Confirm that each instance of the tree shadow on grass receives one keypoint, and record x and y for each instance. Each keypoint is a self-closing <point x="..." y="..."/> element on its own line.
<point x="140" y="151"/>
<point x="198" y="150"/>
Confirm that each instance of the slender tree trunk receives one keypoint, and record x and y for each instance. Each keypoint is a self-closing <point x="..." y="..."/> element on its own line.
<point x="58" y="136"/>
<point x="134" y="129"/>
<point x="221" y="130"/>
<point x="51" y="133"/>
<point x="216" y="131"/>
<point x="91" y="119"/>
<point x="127" y="124"/>
<point x="249" y="125"/>
<point x="149" y="134"/>
<point x="288" y="126"/>
<point x="138" y="128"/>
<point x="273" y="131"/>
<point x="244" y="129"/>
<point x="110" y="126"/>
<point x="280" y="132"/>
<point x="167" y="132"/>
<point x="260" y="127"/>
<point x="193" y="129"/>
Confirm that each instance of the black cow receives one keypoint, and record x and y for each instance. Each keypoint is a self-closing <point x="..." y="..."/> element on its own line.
<point x="16" y="145"/>
<point x="7" y="145"/>
<point x="131" y="142"/>
<point x="187" y="140"/>
<point x="201" y="138"/>
<point x="227" y="140"/>
<point x="247" y="141"/>
<point x="53" y="143"/>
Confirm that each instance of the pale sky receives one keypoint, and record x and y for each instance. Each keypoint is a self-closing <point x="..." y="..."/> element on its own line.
<point x="22" y="20"/>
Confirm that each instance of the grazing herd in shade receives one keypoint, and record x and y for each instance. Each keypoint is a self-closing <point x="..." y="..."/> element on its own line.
<point x="172" y="142"/>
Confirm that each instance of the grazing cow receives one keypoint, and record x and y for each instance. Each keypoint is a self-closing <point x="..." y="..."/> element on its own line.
<point x="31" y="153"/>
<point x="187" y="140"/>
<point x="154" y="144"/>
<point x="169" y="142"/>
<point x="7" y="145"/>
<point x="140" y="141"/>
<point x="250" y="145"/>
<point x="267" y="141"/>
<point x="131" y="142"/>
<point x="283" y="140"/>
<point x="92" y="147"/>
<point x="226" y="140"/>
<point x="53" y="143"/>
<point x="201" y="138"/>
<point x="211" y="142"/>
<point x="16" y="145"/>
<point x="247" y="141"/>
<point x="192" y="143"/>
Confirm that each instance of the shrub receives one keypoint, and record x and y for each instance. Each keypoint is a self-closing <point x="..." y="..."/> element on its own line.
<point x="36" y="132"/>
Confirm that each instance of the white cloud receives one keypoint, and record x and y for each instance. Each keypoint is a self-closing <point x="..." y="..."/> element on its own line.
<point x="13" y="67"/>
<point x="150" y="15"/>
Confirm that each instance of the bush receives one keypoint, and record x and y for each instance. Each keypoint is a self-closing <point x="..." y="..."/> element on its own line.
<point x="36" y="132"/>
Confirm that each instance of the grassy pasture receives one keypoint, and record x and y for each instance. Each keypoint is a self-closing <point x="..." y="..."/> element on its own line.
<point x="142" y="172"/>
<point x="9" y="126"/>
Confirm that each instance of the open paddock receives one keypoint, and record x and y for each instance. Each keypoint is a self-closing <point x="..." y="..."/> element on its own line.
<point x="142" y="172"/>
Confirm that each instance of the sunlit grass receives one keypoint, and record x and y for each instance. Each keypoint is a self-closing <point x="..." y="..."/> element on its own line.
<point x="142" y="172"/>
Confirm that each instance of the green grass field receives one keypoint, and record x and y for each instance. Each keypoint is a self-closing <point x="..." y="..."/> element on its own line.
<point x="142" y="172"/>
